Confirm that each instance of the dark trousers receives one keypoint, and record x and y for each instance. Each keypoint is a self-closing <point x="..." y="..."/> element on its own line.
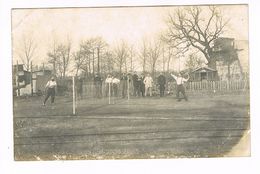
<point x="50" y="92"/>
<point x="162" y="89"/>
<point x="142" y="90"/>
<point x="107" y="89"/>
<point x="124" y="88"/>
<point x="136" y="86"/>
<point x="115" y="90"/>
<point x="98" y="90"/>
<point x="181" y="88"/>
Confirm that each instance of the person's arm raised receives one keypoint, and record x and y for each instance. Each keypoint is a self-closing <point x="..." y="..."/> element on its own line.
<point x="173" y="76"/>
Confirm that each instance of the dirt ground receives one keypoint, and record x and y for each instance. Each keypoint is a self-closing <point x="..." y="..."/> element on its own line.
<point x="151" y="127"/>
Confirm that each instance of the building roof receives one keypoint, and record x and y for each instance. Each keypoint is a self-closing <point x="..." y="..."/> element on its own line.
<point x="203" y="68"/>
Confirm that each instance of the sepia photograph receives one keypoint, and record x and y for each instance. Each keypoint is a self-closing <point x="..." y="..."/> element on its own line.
<point x="131" y="82"/>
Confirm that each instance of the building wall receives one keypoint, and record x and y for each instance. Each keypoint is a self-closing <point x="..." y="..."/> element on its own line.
<point x="222" y="68"/>
<point x="243" y="54"/>
<point x="238" y="68"/>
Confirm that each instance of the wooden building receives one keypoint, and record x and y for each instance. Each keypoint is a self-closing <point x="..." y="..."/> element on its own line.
<point x="204" y="74"/>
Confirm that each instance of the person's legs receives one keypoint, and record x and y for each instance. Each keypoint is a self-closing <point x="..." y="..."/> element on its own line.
<point x="52" y="91"/>
<point x="96" y="91"/>
<point x="183" y="93"/>
<point x="47" y="96"/>
<point x="100" y="90"/>
<point x="123" y="90"/>
<point x="142" y="90"/>
<point x="161" y="90"/>
<point x="145" y="92"/>
<point x="107" y="89"/>
<point x="178" y="92"/>
<point x="135" y="90"/>
<point x="150" y="90"/>
<point x="111" y="90"/>
<point x="52" y="98"/>
<point x="116" y="90"/>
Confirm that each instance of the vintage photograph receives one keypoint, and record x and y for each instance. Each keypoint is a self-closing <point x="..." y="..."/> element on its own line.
<point x="134" y="82"/>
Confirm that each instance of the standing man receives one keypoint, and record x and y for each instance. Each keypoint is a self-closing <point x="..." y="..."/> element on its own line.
<point x="116" y="83"/>
<point x="79" y="84"/>
<point x="135" y="83"/>
<point x="180" y="87"/>
<point x="124" y="79"/>
<point x="142" y="86"/>
<point x="50" y="89"/>
<point x="108" y="83"/>
<point x="138" y="85"/>
<point x="161" y="80"/>
<point x="148" y="82"/>
<point x="98" y="86"/>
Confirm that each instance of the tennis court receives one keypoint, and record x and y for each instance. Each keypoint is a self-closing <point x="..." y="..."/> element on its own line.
<point x="151" y="127"/>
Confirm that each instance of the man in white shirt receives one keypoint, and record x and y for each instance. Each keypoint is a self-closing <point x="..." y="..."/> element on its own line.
<point x="148" y="82"/>
<point x="50" y="90"/>
<point x="108" y="83"/>
<point x="115" y="82"/>
<point x="180" y="88"/>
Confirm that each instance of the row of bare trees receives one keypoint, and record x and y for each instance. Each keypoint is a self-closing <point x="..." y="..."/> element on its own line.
<point x="94" y="55"/>
<point x="191" y="26"/>
<point x="60" y="57"/>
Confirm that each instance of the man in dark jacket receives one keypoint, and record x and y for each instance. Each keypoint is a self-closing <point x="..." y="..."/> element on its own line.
<point x="135" y="83"/>
<point x="142" y="85"/>
<point x="124" y="79"/>
<point x="79" y="84"/>
<point x="161" y="80"/>
<point x="98" y="85"/>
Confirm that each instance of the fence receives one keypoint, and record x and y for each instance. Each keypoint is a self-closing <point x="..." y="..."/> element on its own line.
<point x="89" y="89"/>
<point x="196" y="87"/>
<point x="218" y="85"/>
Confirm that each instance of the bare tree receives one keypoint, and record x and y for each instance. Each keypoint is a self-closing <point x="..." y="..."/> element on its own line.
<point x="121" y="55"/>
<point x="60" y="57"/>
<point x="27" y="51"/>
<point x="192" y="26"/>
<point x="193" y="62"/>
<point x="169" y="57"/>
<point x="143" y="54"/>
<point x="87" y="51"/>
<point x="79" y="60"/>
<point x="53" y="56"/>
<point x="154" y="54"/>
<point x="92" y="50"/>
<point x="108" y="62"/>
<point x="131" y="57"/>
<point x="63" y="58"/>
<point x="100" y="45"/>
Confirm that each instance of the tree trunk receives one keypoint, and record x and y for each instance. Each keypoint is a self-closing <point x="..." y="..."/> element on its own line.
<point x="212" y="64"/>
<point x="98" y="68"/>
<point x="229" y="77"/>
<point x="131" y="59"/>
<point x="144" y="62"/>
<point x="120" y="68"/>
<point x="54" y="68"/>
<point x="211" y="60"/>
<point x="89" y="65"/>
<point x="93" y="63"/>
<point x="77" y="70"/>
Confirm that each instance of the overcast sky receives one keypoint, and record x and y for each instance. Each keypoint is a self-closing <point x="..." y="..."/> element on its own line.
<point x="113" y="24"/>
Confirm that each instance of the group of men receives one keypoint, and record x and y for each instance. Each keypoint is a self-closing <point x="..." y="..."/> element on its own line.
<point x="142" y="85"/>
